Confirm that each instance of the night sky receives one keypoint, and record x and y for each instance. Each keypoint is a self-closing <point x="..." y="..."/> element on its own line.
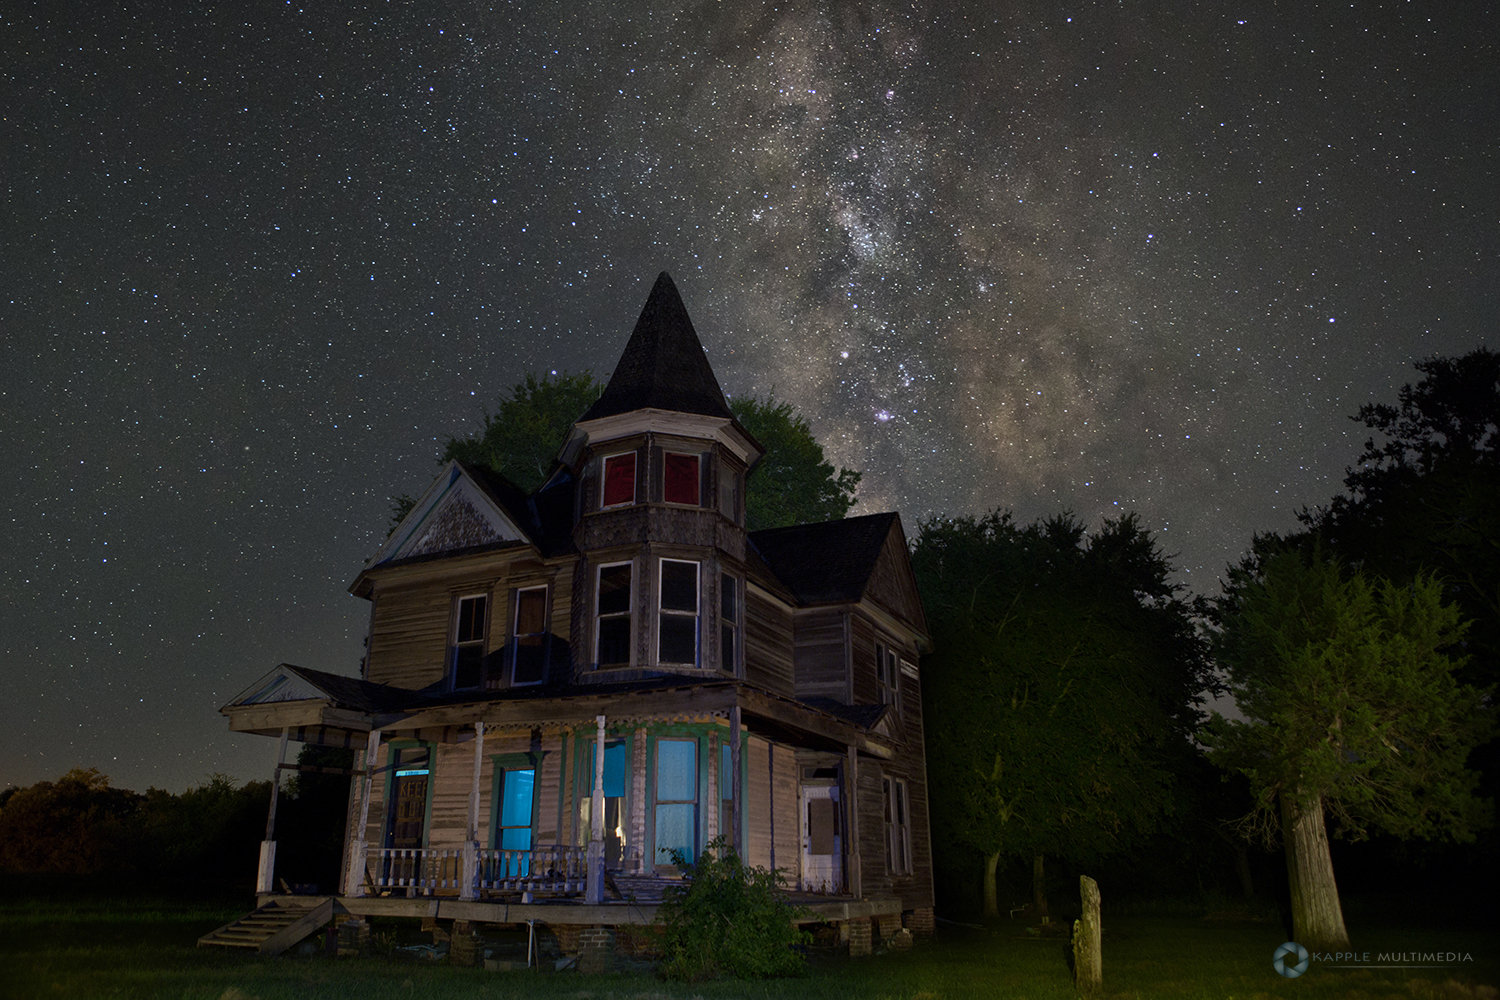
<point x="260" y="260"/>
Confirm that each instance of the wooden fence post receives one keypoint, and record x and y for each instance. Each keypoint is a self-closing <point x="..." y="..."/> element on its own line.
<point x="1088" y="958"/>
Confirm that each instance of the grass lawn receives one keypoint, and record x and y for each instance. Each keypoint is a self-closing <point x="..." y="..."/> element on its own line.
<point x="124" y="948"/>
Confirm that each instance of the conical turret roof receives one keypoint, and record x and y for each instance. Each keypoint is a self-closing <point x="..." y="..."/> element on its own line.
<point x="663" y="366"/>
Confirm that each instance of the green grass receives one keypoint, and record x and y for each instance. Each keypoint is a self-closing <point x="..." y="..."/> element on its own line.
<point x="145" y="949"/>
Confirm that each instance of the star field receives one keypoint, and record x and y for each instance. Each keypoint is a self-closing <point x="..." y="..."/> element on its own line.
<point x="261" y="260"/>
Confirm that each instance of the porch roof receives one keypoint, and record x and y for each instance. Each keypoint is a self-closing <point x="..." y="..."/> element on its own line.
<point x="312" y="700"/>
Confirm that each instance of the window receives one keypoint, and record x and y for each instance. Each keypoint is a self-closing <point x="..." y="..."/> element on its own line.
<point x="888" y="675"/>
<point x="471" y="620"/>
<point x="897" y="828"/>
<point x="615" y="758"/>
<point x="613" y="610"/>
<point x="529" y="640"/>
<point x="728" y="493"/>
<point x="511" y="825"/>
<point x="677" y="640"/>
<point x="676" y="800"/>
<point x="680" y="478"/>
<point x="729" y="622"/>
<point x="619" y="480"/>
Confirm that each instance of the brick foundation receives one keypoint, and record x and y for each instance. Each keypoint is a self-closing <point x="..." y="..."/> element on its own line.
<point x="886" y="925"/>
<point x="638" y="941"/>
<point x="859" y="937"/>
<point x="567" y="937"/>
<point x="596" y="946"/>
<point x="921" y="922"/>
<point x="463" y="945"/>
<point x="353" y="935"/>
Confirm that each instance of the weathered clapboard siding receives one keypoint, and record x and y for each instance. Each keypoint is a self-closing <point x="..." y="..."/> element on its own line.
<point x="821" y="653"/>
<point x="768" y="644"/>
<point x="788" y="809"/>
<point x="452" y="770"/>
<point x="409" y="636"/>
<point x="758" y="805"/>
<point x="375" y="828"/>
<point x="863" y="683"/>
<point x="875" y="879"/>
<point x="893" y="584"/>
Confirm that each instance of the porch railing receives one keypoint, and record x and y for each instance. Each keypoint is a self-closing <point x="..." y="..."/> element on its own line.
<point x="472" y="870"/>
<point x="418" y="870"/>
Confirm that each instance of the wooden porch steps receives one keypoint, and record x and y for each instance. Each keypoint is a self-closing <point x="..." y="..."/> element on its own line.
<point x="274" y="927"/>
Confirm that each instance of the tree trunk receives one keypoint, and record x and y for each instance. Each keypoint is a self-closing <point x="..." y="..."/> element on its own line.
<point x="1317" y="918"/>
<point x="1242" y="866"/>
<point x="991" y="904"/>
<point x="1039" y="888"/>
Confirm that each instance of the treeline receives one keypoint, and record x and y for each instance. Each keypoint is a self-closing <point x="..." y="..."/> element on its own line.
<point x="207" y="836"/>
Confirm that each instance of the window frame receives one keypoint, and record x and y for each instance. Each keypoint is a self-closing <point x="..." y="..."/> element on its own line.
<point x="516" y="636"/>
<point x="604" y="463"/>
<point x="628" y="614"/>
<point x="663" y="612"/>
<point x="456" y="644"/>
<point x="896" y="793"/>
<point x="657" y="802"/>
<point x="888" y="675"/>
<point x="731" y="624"/>
<point x="666" y="456"/>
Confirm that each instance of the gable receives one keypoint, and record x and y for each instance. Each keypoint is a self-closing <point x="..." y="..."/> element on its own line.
<point x="892" y="582"/>
<point x="279" y="685"/>
<point x="456" y="513"/>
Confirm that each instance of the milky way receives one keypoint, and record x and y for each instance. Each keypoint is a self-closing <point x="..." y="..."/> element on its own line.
<point x="261" y="260"/>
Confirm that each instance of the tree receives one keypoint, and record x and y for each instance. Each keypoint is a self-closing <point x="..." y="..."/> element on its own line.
<point x="1351" y="711"/>
<point x="793" y="484"/>
<point x="1422" y="498"/>
<point x="1068" y="673"/>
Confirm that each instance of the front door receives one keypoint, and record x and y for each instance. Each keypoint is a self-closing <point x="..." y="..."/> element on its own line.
<point x="409" y="799"/>
<point x="822" y="839"/>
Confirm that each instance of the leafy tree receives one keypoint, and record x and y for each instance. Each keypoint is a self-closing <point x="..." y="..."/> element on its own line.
<point x="1068" y="673"/>
<point x="77" y="825"/>
<point x="727" y="919"/>
<point x="794" y="483"/>
<point x="1351" y="710"/>
<point x="1422" y="498"/>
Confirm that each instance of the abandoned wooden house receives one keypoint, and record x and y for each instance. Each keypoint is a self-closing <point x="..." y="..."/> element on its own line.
<point x="566" y="695"/>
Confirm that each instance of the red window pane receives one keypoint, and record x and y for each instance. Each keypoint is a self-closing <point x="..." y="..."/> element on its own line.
<point x="681" y="484"/>
<point x="619" y="479"/>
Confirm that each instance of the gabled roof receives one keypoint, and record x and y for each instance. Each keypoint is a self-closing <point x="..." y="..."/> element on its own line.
<point x="465" y="508"/>
<point x="289" y="682"/>
<point x="663" y="366"/>
<point x="826" y="562"/>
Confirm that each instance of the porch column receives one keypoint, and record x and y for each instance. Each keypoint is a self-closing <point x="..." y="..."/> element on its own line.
<point x="265" y="877"/>
<point x="851" y="812"/>
<point x="354" y="880"/>
<point x="736" y="783"/>
<point x="468" y="888"/>
<point x="594" y="887"/>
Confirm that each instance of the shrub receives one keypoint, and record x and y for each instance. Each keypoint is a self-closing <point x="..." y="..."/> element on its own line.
<point x="728" y="919"/>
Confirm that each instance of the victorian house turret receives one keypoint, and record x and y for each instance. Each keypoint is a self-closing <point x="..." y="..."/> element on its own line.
<point x="568" y="695"/>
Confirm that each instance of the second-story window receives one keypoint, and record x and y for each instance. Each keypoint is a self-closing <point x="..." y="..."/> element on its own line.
<point x="471" y="618"/>
<point x="678" y="632"/>
<point x="680" y="478"/>
<point x="619" y="480"/>
<point x="613" y="610"/>
<point x="888" y="675"/>
<point x="529" y="639"/>
<point x="729" y="622"/>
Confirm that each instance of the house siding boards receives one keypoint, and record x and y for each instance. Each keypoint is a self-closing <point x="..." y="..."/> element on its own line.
<point x="812" y="603"/>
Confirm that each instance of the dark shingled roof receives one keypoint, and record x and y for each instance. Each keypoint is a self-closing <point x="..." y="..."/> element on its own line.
<point x="830" y="561"/>
<point x="353" y="693"/>
<point x="663" y="366"/>
<point x="546" y="516"/>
